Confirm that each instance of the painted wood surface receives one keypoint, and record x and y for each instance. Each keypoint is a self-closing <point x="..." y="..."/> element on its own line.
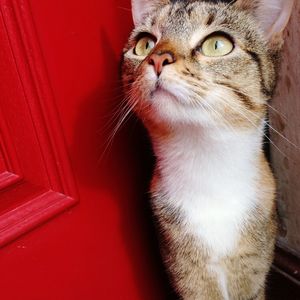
<point x="59" y="91"/>
<point x="285" y="153"/>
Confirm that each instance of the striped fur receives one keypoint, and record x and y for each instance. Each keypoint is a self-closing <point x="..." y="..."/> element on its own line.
<point x="212" y="191"/>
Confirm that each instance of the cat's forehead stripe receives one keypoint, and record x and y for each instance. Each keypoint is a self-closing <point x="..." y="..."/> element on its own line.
<point x="196" y="37"/>
<point x="210" y="19"/>
<point x="156" y="31"/>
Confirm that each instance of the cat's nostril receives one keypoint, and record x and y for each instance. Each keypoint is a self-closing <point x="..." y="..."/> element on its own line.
<point x="167" y="61"/>
<point x="151" y="61"/>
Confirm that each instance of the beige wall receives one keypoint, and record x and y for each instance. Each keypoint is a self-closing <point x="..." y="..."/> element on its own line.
<point x="287" y="122"/>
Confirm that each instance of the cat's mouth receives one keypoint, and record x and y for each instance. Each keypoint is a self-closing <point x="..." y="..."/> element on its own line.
<point x="159" y="85"/>
<point x="161" y="89"/>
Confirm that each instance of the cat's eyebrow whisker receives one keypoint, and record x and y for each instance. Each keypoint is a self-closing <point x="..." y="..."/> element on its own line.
<point x="229" y="4"/>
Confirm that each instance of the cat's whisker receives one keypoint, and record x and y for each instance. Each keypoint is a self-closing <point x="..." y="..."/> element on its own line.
<point x="247" y="95"/>
<point x="199" y="101"/>
<point x="265" y="122"/>
<point x="226" y="124"/>
<point x="277" y="111"/>
<point x="276" y="131"/>
<point x="124" y="8"/>
<point x="111" y="125"/>
<point x="282" y="136"/>
<point x="109" y="142"/>
<point x="123" y="116"/>
<point x="228" y="5"/>
<point x="115" y="114"/>
<point x="239" y="111"/>
<point x="271" y="127"/>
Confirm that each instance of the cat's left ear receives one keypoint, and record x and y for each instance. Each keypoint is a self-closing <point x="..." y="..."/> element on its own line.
<point x="140" y="8"/>
<point x="272" y="15"/>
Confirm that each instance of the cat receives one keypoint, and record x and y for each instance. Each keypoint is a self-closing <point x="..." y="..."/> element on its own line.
<point x="199" y="75"/>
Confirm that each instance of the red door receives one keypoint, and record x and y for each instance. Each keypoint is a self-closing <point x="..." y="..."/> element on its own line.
<point x="72" y="226"/>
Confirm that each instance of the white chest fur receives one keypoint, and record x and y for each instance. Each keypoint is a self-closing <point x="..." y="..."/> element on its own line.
<point x="212" y="181"/>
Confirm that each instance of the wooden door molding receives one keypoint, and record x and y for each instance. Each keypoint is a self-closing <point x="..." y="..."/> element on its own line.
<point x="288" y="264"/>
<point x="36" y="180"/>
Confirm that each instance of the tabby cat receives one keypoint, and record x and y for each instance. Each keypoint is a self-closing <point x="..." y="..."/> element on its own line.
<point x="199" y="75"/>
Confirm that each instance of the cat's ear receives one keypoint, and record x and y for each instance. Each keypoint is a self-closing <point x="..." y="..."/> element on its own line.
<point x="272" y="15"/>
<point x="140" y="8"/>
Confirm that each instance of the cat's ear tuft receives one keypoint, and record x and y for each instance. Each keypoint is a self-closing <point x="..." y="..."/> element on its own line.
<point x="272" y="15"/>
<point x="140" y="8"/>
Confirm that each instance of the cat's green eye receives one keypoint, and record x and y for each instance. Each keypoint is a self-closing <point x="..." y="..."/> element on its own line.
<point x="144" y="46"/>
<point x="216" y="45"/>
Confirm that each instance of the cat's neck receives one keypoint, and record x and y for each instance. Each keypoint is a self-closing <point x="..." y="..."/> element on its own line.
<point x="205" y="144"/>
<point x="205" y="159"/>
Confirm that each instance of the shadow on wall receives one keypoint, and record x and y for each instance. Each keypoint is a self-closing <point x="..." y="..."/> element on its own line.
<point x="124" y="170"/>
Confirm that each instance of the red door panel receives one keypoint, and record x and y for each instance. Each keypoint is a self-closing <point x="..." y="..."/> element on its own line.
<point x="59" y="88"/>
<point x="36" y="179"/>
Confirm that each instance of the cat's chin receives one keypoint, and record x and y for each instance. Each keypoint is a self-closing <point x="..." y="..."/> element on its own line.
<point x="163" y="94"/>
<point x="160" y="93"/>
<point x="168" y="108"/>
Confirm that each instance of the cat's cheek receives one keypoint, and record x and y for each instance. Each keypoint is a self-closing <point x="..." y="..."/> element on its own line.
<point x="146" y="84"/>
<point x="149" y="74"/>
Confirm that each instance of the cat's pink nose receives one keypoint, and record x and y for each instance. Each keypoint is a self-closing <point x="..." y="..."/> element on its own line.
<point x="160" y="60"/>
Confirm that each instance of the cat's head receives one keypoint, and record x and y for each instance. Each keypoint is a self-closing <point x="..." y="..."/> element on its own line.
<point x="203" y="62"/>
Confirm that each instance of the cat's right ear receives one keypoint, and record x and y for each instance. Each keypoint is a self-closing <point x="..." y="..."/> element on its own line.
<point x="140" y="8"/>
<point x="272" y="16"/>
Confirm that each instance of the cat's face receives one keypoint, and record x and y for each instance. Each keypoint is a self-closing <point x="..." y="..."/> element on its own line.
<point x="199" y="63"/>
